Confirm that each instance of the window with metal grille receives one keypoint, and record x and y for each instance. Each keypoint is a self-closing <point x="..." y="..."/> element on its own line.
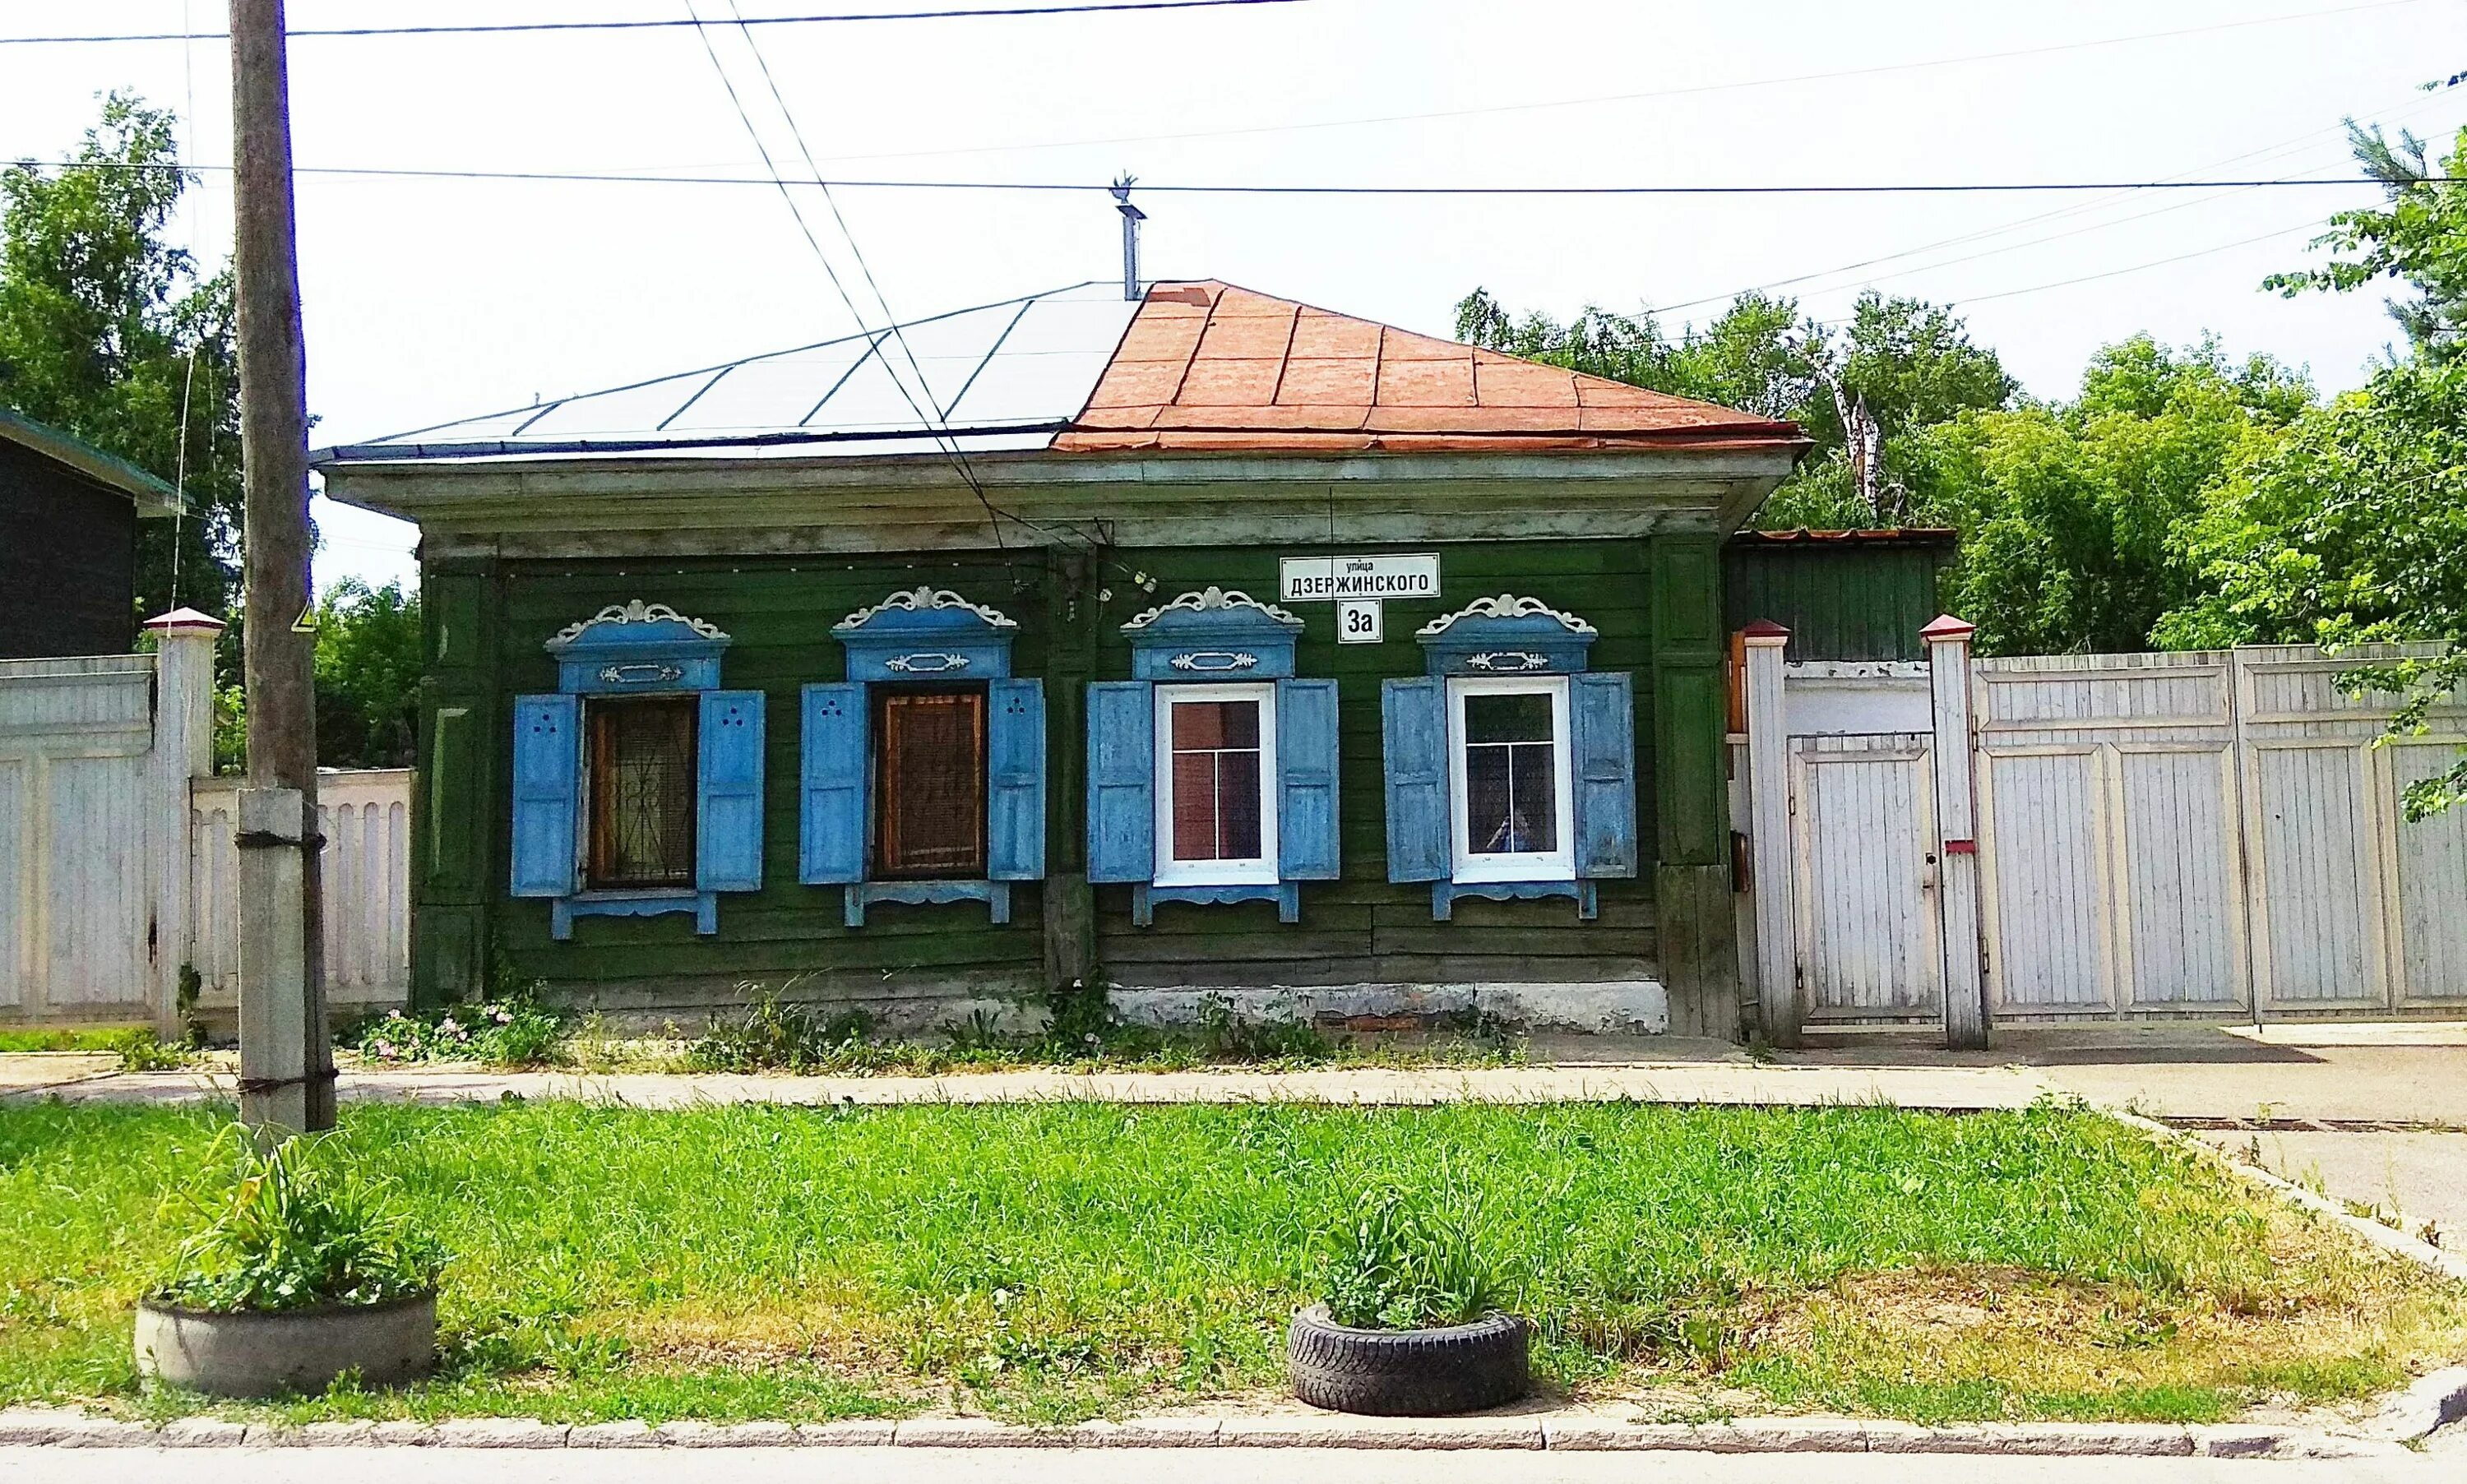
<point x="642" y="791"/>
<point x="929" y="783"/>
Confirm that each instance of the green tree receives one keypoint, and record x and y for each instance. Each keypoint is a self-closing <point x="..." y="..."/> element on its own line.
<point x="2353" y="529"/>
<point x="368" y="676"/>
<point x="1902" y="364"/>
<point x="108" y="332"/>
<point x="2075" y="516"/>
<point x="2418" y="238"/>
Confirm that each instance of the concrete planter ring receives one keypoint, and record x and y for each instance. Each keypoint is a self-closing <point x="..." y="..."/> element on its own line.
<point x="1408" y="1373"/>
<point x="301" y="1351"/>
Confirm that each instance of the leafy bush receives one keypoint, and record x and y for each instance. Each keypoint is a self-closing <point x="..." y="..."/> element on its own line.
<point x="1406" y="1262"/>
<point x="497" y="1032"/>
<point x="295" y="1231"/>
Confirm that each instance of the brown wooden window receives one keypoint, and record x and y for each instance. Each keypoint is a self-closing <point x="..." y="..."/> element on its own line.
<point x="929" y="783"/>
<point x="641" y="752"/>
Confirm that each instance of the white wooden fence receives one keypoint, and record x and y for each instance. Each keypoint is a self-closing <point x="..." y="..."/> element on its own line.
<point x="117" y="863"/>
<point x="366" y="819"/>
<point x="2208" y="836"/>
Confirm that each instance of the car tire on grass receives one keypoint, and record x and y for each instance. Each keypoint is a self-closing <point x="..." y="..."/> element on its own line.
<point x="1408" y="1373"/>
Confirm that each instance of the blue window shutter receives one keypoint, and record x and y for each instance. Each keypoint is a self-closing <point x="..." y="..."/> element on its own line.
<point x="1306" y="842"/>
<point x="1122" y="780"/>
<point x="728" y="819"/>
<point x="1015" y="779"/>
<point x="1602" y="708"/>
<point x="830" y="810"/>
<point x="548" y="794"/>
<point x="1415" y="718"/>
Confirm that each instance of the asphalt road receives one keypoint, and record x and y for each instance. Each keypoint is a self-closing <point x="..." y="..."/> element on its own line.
<point x="1144" y="1466"/>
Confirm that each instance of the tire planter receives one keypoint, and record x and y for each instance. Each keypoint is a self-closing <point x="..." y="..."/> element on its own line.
<point x="1408" y="1373"/>
<point x="301" y="1351"/>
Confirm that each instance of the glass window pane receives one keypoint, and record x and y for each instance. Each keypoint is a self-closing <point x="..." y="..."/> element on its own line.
<point x="1517" y="717"/>
<point x="1488" y="804"/>
<point x="1194" y="807"/>
<point x="1533" y="783"/>
<point x="1215" y="723"/>
<point x="1512" y="798"/>
<point x="1237" y="804"/>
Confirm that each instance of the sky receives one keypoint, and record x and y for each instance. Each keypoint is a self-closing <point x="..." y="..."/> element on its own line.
<point x="430" y="299"/>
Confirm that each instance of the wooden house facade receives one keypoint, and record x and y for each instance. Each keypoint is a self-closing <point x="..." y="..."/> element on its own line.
<point x="1281" y="656"/>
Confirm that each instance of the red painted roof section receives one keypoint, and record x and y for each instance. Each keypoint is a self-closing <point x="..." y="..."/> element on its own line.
<point x="1209" y="366"/>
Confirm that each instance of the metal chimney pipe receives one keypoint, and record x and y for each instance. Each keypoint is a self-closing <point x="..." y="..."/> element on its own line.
<point x="1132" y="217"/>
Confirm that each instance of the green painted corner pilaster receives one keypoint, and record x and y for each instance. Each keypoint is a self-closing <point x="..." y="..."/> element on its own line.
<point x="1072" y="616"/>
<point x="454" y="834"/>
<point x="1692" y="898"/>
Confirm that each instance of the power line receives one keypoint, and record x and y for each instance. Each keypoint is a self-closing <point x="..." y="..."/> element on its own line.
<point x="1966" y="299"/>
<point x="1896" y="188"/>
<point x="503" y="28"/>
<point x="2282" y="147"/>
<point x="1433" y="115"/>
<point x="936" y="426"/>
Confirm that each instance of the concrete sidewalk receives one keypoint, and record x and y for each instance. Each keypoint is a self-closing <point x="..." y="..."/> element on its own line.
<point x="1958" y="1089"/>
<point x="1185" y="1465"/>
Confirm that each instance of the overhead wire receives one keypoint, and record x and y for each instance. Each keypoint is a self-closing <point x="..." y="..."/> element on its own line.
<point x="1257" y="189"/>
<point x="1436" y="115"/>
<point x="2267" y="151"/>
<point x="957" y="455"/>
<point x="505" y="28"/>
<point x="936" y="426"/>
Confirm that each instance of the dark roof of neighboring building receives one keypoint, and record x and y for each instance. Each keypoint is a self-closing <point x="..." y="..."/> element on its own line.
<point x="153" y="495"/>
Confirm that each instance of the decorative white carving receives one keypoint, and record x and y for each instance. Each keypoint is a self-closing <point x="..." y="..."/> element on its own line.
<point x="1208" y="599"/>
<point x="1508" y="660"/>
<point x="1213" y="660"/>
<point x="926" y="663"/>
<point x="1507" y="605"/>
<point x="925" y="599"/>
<point x="639" y="674"/>
<point x="635" y="611"/>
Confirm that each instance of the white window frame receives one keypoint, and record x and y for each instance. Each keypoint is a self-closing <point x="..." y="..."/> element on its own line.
<point x="1465" y="865"/>
<point x="1170" y="872"/>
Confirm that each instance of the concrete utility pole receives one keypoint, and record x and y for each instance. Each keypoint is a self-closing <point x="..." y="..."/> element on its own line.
<point x="287" y="1060"/>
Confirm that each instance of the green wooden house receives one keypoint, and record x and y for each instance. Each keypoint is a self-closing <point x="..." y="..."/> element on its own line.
<point x="1201" y="645"/>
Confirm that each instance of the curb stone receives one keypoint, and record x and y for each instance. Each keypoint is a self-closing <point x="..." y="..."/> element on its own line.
<point x="200" y="1432"/>
<point x="2426" y="1406"/>
<point x="497" y="1432"/>
<point x="2423" y="1254"/>
<point x="1336" y="1431"/>
<point x="849" y="1433"/>
<point x="2443" y="1394"/>
<point x="636" y="1433"/>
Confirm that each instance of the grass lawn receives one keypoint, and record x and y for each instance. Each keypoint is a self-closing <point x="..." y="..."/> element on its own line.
<point x="1055" y="1261"/>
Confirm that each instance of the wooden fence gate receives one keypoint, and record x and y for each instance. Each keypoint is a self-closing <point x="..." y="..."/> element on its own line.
<point x="2210" y="836"/>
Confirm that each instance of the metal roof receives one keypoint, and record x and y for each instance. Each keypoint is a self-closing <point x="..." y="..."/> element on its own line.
<point x="1003" y="376"/>
<point x="154" y="496"/>
<point x="1212" y="365"/>
<point x="1191" y="367"/>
